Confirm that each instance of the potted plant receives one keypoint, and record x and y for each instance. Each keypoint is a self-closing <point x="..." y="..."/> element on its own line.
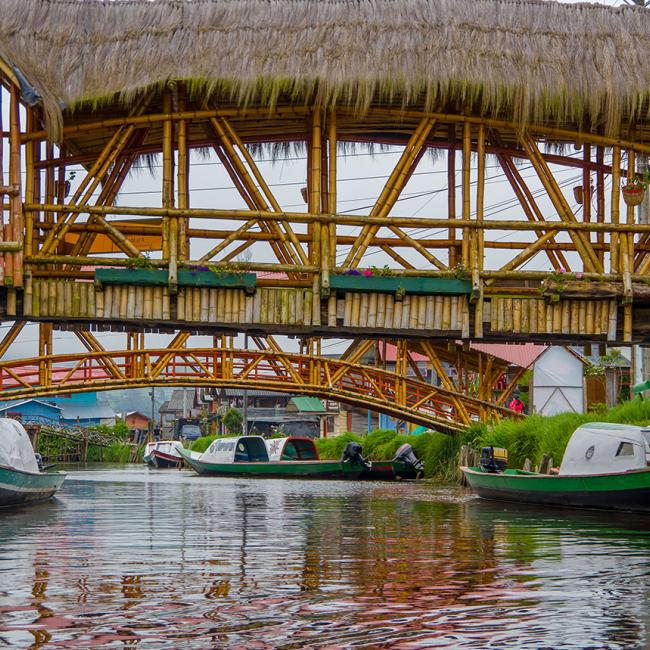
<point x="634" y="189"/>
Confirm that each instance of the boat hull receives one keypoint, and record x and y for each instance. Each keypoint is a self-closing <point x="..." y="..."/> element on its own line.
<point x="627" y="491"/>
<point x="21" y="488"/>
<point x="322" y="469"/>
<point x="161" y="460"/>
<point x="388" y="470"/>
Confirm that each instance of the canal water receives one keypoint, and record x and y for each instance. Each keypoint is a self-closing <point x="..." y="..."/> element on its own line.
<point x="130" y="557"/>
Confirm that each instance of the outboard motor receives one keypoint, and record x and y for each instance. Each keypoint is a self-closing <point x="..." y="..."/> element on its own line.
<point x="39" y="461"/>
<point x="494" y="459"/>
<point x="406" y="454"/>
<point x="352" y="453"/>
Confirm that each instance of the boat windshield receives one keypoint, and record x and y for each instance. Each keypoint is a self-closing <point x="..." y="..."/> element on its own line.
<point x="251" y="450"/>
<point x="299" y="450"/>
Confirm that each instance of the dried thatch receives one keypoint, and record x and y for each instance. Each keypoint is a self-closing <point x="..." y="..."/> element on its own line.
<point x="531" y="60"/>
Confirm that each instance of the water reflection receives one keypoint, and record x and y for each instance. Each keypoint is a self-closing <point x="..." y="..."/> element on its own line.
<point x="132" y="557"/>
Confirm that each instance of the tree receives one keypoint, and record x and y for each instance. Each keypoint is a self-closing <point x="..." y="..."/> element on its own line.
<point x="233" y="420"/>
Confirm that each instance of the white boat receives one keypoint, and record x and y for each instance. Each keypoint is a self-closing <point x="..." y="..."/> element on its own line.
<point x="163" y="454"/>
<point x="249" y="456"/>
<point x="21" y="481"/>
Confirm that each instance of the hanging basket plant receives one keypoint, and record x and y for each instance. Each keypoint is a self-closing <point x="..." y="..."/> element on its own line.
<point x="578" y="194"/>
<point x="634" y="190"/>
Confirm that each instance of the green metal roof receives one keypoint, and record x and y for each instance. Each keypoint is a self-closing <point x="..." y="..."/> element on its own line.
<point x="308" y="404"/>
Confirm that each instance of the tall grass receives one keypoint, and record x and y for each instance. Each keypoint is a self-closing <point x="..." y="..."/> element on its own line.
<point x="439" y="452"/>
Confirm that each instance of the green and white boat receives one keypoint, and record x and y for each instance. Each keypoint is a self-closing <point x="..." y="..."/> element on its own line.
<point x="605" y="466"/>
<point x="21" y="481"/>
<point x="249" y="456"/>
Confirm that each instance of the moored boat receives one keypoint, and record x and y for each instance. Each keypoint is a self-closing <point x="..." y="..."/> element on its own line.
<point x="249" y="456"/>
<point x="605" y="466"/>
<point x="21" y="481"/>
<point x="163" y="454"/>
<point x="404" y="465"/>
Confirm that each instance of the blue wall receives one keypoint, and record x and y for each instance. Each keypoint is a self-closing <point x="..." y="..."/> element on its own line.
<point x="32" y="411"/>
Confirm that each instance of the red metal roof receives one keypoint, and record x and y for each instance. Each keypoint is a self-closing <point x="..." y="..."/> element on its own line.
<point x="518" y="354"/>
<point x="391" y="354"/>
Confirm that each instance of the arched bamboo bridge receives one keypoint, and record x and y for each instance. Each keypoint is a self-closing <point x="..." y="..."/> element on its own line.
<point x="401" y="391"/>
<point x="75" y="252"/>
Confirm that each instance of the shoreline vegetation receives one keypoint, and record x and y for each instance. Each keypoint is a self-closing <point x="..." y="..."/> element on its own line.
<point x="525" y="438"/>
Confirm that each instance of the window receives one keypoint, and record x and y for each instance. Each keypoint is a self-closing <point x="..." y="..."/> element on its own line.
<point x="625" y="449"/>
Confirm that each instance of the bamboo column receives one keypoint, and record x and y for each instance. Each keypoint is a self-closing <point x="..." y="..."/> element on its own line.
<point x="32" y="195"/>
<point x="183" y="182"/>
<point x="627" y="257"/>
<point x="331" y="178"/>
<point x="467" y="211"/>
<point x="616" y="206"/>
<point x="315" y="207"/>
<point x="16" y="214"/>
<point x="44" y="350"/>
<point x="170" y="224"/>
<point x="3" y="256"/>
<point x="478" y="235"/>
<point x="451" y="194"/>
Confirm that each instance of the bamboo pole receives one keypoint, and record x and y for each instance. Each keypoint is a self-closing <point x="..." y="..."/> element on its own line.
<point x="331" y="190"/>
<point x="346" y="219"/>
<point x="16" y="215"/>
<point x="392" y="189"/>
<point x="583" y="246"/>
<point x="466" y="173"/>
<point x="170" y="224"/>
<point x="615" y="207"/>
<point x="183" y="182"/>
<point x="93" y="178"/>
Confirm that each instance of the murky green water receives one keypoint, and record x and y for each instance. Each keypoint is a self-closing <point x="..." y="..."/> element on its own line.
<point x="133" y="557"/>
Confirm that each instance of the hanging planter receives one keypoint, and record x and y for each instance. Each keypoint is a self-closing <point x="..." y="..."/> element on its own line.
<point x="634" y="190"/>
<point x="578" y="194"/>
<point x="633" y="195"/>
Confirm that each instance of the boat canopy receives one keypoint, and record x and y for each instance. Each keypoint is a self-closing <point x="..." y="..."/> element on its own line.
<point x="606" y="448"/>
<point x="291" y="448"/>
<point x="16" y="450"/>
<point x="243" y="449"/>
<point x="163" y="446"/>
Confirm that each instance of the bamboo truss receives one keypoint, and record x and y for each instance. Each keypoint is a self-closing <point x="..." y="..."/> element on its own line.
<point x="54" y="237"/>
<point x="403" y="392"/>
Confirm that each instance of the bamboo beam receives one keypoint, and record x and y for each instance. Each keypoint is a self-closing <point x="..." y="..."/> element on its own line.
<point x="92" y="179"/>
<point x="396" y="182"/>
<point x="11" y="335"/>
<point x="583" y="246"/>
<point x="347" y="219"/>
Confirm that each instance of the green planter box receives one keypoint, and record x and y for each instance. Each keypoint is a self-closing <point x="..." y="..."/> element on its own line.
<point x="401" y="285"/>
<point x="186" y="278"/>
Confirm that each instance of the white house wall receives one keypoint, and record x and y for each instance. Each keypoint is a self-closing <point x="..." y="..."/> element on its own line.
<point x="558" y="382"/>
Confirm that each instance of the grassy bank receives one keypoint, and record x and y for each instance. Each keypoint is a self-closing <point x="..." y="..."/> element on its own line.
<point x="116" y="452"/>
<point x="439" y="452"/>
<point x="529" y="437"/>
<point x="536" y="435"/>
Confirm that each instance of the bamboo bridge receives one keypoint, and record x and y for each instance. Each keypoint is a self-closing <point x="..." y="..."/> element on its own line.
<point x="76" y="256"/>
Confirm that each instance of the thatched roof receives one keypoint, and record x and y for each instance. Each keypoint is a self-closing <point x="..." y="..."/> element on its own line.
<point x="530" y="60"/>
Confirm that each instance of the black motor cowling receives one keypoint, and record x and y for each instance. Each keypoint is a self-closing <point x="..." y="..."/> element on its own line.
<point x="494" y="459"/>
<point x="406" y="454"/>
<point x="352" y="453"/>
